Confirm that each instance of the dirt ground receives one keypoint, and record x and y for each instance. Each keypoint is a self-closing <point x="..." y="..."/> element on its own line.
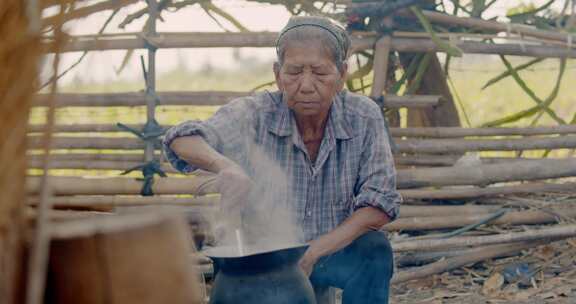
<point x="547" y="274"/>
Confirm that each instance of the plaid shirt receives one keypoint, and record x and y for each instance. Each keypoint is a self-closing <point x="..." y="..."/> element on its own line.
<point x="353" y="169"/>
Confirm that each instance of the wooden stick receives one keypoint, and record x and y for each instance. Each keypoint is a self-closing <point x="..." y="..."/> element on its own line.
<point x="459" y="145"/>
<point x="440" y="211"/>
<point x="474" y="47"/>
<point x="212" y="201"/>
<point x="124" y="162"/>
<point x="87" y="128"/>
<point x="88" y="157"/>
<point x="265" y="39"/>
<point x="456" y="221"/>
<point x="86" y="11"/>
<point x="436" y="132"/>
<point x="559" y="231"/>
<point x="450" y="160"/>
<point x="475" y="192"/>
<point x="68" y="142"/>
<point x="477" y="23"/>
<point x="470" y="257"/>
<point x="413" y="146"/>
<point x="124" y="186"/>
<point x="128" y="201"/>
<point x="380" y="68"/>
<point x="487" y="174"/>
<point x="97" y="165"/>
<point x="455" y="132"/>
<point x="206" y="98"/>
<point x="411" y="259"/>
<point x="484" y="174"/>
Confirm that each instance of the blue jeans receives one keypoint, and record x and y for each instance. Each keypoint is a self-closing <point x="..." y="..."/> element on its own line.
<point x="362" y="270"/>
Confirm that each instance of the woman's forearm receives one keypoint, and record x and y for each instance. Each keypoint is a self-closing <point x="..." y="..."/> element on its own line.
<point x="196" y="152"/>
<point x="360" y="222"/>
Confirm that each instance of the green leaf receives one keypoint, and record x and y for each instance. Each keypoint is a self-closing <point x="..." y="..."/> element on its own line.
<point x="417" y="81"/>
<point x="507" y="73"/>
<point x="450" y="50"/>
<point x="407" y="73"/>
<point x="542" y="105"/>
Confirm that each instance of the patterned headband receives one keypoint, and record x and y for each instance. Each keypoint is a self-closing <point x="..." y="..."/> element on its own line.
<point x="341" y="45"/>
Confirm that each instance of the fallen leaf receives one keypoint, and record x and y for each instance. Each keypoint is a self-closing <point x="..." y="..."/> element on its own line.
<point x="493" y="284"/>
<point x="545" y="252"/>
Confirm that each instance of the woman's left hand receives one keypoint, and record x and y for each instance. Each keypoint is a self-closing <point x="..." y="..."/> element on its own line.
<point x="308" y="261"/>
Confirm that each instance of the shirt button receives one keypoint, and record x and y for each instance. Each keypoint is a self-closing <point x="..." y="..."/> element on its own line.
<point x="309" y="213"/>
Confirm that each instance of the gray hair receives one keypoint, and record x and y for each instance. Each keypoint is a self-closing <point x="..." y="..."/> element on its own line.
<point x="331" y="36"/>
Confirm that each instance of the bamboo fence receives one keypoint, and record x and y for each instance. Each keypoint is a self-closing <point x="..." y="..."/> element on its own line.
<point x="428" y="158"/>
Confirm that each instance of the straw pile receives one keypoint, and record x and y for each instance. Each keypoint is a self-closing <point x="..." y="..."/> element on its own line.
<point x="19" y="53"/>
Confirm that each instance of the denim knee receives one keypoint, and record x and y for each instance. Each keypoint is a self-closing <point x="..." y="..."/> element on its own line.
<point x="375" y="247"/>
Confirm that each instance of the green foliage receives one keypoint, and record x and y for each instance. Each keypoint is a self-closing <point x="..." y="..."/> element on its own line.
<point x="508" y="73"/>
<point x="450" y="50"/>
<point x="521" y="8"/>
<point x="541" y="105"/>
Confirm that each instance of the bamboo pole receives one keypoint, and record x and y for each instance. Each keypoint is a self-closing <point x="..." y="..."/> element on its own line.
<point x="86" y="128"/>
<point x="484" y="174"/>
<point x="435" y="132"/>
<point x="476" y="192"/>
<point x="461" y="145"/>
<point x="380" y="68"/>
<point x="439" y="211"/>
<point x="470" y="257"/>
<point x="456" y="132"/>
<point x="127" y="161"/>
<point x="95" y="165"/>
<point x="427" y="146"/>
<point x="487" y="174"/>
<point x="266" y="39"/>
<point x="111" y="201"/>
<point x="411" y="259"/>
<point x="86" y="11"/>
<point x="529" y="217"/>
<point x="205" y="98"/>
<point x="123" y="186"/>
<point x="451" y="160"/>
<point x="88" y="157"/>
<point x="68" y="142"/>
<point x="477" y="23"/>
<point x="150" y="77"/>
<point x="559" y="231"/>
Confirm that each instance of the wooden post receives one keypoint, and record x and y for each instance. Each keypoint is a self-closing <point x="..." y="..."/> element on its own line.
<point x="433" y="81"/>
<point x="380" y="69"/>
<point x="137" y="258"/>
<point x="19" y="54"/>
<point x="381" y="56"/>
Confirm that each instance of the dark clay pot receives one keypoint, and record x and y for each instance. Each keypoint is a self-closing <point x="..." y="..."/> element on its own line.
<point x="271" y="277"/>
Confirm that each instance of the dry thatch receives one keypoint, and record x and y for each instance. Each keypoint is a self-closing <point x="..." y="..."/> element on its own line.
<point x="19" y="53"/>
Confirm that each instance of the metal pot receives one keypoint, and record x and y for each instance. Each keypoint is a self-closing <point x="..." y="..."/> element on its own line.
<point x="270" y="277"/>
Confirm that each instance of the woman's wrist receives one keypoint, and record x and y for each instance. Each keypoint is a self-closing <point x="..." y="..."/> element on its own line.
<point x="219" y="163"/>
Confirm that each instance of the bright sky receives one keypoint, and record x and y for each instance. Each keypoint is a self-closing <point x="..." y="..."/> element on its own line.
<point x="101" y="66"/>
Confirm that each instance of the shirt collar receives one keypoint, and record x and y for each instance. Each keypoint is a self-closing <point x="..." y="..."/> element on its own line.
<point x="281" y="122"/>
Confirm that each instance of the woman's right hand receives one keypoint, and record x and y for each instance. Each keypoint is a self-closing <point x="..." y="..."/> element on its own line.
<point x="234" y="187"/>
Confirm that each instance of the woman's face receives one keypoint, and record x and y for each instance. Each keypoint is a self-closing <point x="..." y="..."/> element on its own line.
<point x="309" y="79"/>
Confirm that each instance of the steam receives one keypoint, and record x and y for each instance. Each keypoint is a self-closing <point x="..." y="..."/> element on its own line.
<point x="267" y="221"/>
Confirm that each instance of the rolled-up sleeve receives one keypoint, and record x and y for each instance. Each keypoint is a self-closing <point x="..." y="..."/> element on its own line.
<point x="226" y="132"/>
<point x="376" y="182"/>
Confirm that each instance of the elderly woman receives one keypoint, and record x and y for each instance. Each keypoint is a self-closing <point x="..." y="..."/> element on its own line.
<point x="333" y="148"/>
